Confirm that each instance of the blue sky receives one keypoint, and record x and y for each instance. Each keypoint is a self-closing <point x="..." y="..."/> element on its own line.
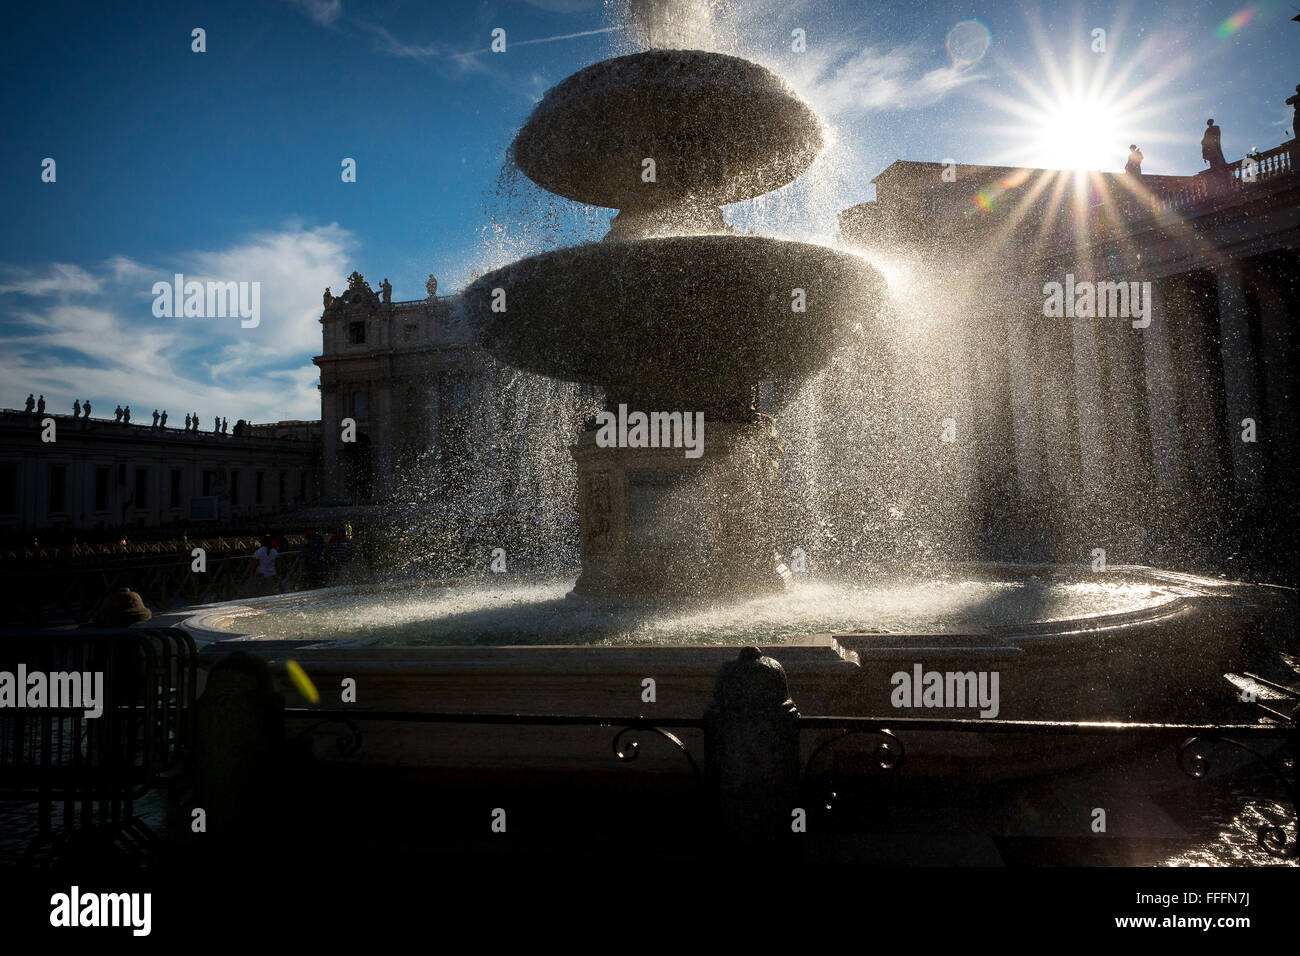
<point x="226" y="164"/>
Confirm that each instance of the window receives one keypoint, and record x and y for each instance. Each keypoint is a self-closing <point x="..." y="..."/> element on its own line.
<point x="302" y="486"/>
<point x="8" y="488"/>
<point x="209" y="479"/>
<point x="234" y="487"/>
<point x="356" y="333"/>
<point x="260" y="484"/>
<point x="58" y="488"/>
<point x="284" y="483"/>
<point x="358" y="405"/>
<point x="175" y="499"/>
<point x="142" y="487"/>
<point x="101" y="488"/>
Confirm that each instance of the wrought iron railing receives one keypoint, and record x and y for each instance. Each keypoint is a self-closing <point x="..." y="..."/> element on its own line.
<point x="889" y="732"/>
<point x="84" y="772"/>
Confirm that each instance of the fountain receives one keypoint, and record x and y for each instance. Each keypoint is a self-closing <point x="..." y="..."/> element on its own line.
<point x="675" y="314"/>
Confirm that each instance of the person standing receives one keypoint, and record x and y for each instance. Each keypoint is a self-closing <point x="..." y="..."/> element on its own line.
<point x="1134" y="165"/>
<point x="265" y="572"/>
<point x="313" y="559"/>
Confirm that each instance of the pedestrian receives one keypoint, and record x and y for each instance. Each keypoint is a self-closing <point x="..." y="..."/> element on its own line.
<point x="313" y="559"/>
<point x="264" y="572"/>
<point x="342" y="550"/>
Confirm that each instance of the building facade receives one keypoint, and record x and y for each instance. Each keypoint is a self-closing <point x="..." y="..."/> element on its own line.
<point x="412" y="409"/>
<point x="1172" y="406"/>
<point x="63" y="473"/>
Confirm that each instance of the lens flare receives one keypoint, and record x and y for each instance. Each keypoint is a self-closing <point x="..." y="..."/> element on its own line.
<point x="301" y="681"/>
<point x="1234" y="23"/>
<point x="967" y="42"/>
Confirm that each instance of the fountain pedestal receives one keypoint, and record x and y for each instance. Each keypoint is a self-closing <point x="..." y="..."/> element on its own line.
<point x="656" y="523"/>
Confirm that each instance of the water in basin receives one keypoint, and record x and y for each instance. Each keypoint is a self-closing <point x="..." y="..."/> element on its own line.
<point x="492" y="612"/>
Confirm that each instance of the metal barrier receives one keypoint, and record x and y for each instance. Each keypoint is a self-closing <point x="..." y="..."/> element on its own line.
<point x="752" y="731"/>
<point x="93" y="720"/>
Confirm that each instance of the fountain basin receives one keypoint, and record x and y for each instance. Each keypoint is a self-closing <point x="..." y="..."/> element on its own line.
<point x="1131" y="643"/>
<point x="691" y="316"/>
<point x="588" y="138"/>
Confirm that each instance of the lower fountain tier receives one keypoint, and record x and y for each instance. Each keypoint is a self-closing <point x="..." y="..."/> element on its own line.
<point x="682" y="314"/>
<point x="656" y="523"/>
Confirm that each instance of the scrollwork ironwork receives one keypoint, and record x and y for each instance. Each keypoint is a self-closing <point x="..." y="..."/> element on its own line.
<point x="1271" y="836"/>
<point x="629" y="751"/>
<point x="888" y="755"/>
<point x="347" y="743"/>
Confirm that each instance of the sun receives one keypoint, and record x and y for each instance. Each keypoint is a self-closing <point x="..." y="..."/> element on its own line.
<point x="1068" y="107"/>
<point x="1080" y="133"/>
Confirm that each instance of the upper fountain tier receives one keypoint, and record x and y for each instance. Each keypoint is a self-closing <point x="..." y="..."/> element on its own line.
<point x="719" y="129"/>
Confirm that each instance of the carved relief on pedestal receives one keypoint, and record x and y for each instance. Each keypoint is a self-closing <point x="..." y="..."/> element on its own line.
<point x="595" y="511"/>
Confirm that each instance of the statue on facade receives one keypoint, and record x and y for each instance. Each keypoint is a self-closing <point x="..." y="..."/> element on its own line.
<point x="162" y="422"/>
<point x="387" y="289"/>
<point x="1134" y="165"/>
<point x="155" y="418"/>
<point x="188" y="420"/>
<point x="1211" y="148"/>
<point x="117" y="414"/>
<point x="126" y="415"/>
<point x="1294" y="103"/>
<point x="328" y="298"/>
<point x="223" y="426"/>
<point x="31" y="403"/>
<point x="40" y="405"/>
<point x="86" y="407"/>
<point x="431" y="286"/>
<point x="76" y="408"/>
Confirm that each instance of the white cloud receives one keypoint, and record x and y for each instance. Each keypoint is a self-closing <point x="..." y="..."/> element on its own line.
<point x="324" y="12"/>
<point x="840" y="81"/>
<point x="58" y="277"/>
<point x="95" y="336"/>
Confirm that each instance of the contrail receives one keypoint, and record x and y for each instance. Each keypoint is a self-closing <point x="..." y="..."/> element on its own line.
<point x="562" y="36"/>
